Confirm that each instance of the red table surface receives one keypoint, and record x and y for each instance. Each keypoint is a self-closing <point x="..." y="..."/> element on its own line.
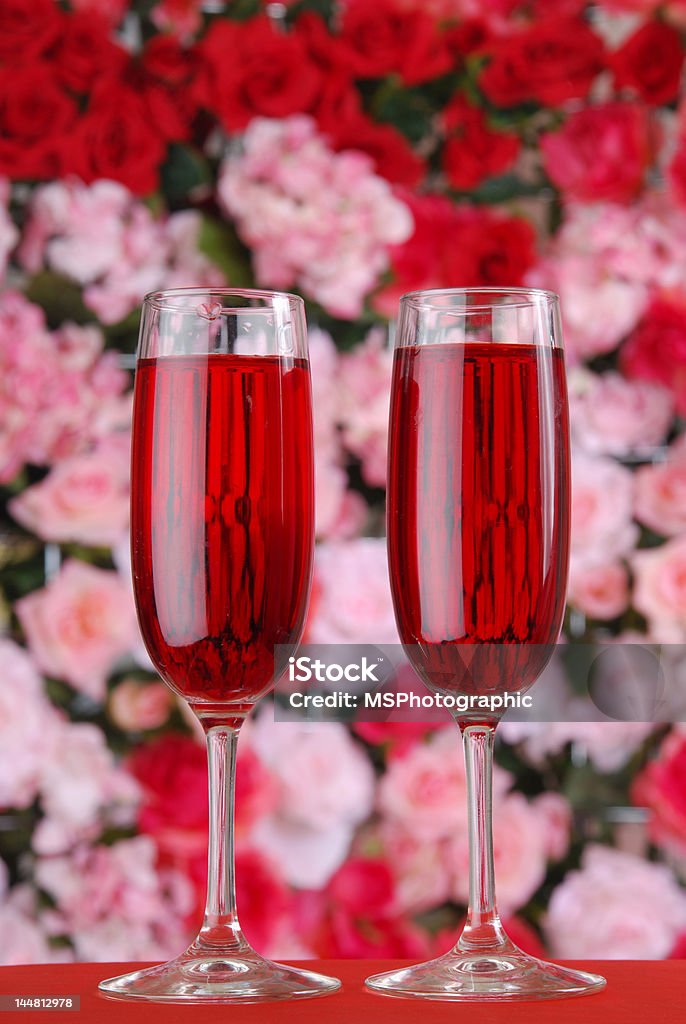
<point x="637" y="992"/>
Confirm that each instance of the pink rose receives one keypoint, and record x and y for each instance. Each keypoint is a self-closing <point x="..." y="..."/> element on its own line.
<point x="600" y="590"/>
<point x="602" y="500"/>
<point x="608" y="745"/>
<point x="352" y="598"/>
<point x="614" y="416"/>
<point x="136" y="706"/>
<point x="660" y="589"/>
<point x="364" y="396"/>
<point x="598" y="309"/>
<point x="422" y="869"/>
<point x="425" y="789"/>
<point x="58" y="390"/>
<point x="81" y="788"/>
<point x="616" y="907"/>
<point x="520" y="853"/>
<point x="84" y="498"/>
<point x="660" y="500"/>
<point x="110" y="243"/>
<point x="606" y="261"/>
<point x="29" y="727"/>
<point x="323" y="776"/>
<point x="9" y="235"/>
<point x="339" y="512"/>
<point x="112" y="901"/>
<point x="325" y="788"/>
<point x="79" y="625"/>
<point x="312" y="217"/>
<point x="307" y="857"/>
<point x="75" y="228"/>
<point x="601" y="153"/>
<point x="556" y="814"/>
<point x="23" y="940"/>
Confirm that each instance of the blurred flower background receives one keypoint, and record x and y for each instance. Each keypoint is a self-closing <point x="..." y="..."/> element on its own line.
<point x="349" y="151"/>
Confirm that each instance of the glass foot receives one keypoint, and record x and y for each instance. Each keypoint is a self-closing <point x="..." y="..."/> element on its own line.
<point x="244" y="977"/>
<point x="506" y="974"/>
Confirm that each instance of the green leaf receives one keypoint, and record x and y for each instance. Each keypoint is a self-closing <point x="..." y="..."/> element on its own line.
<point x="408" y="110"/>
<point x="325" y="8"/>
<point x="184" y="171"/>
<point x="503" y="188"/>
<point x="59" y="297"/>
<point x="123" y="336"/>
<point x="220" y="243"/>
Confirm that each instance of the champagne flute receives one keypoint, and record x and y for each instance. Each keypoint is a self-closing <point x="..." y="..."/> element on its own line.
<point x="478" y="541"/>
<point x="222" y="538"/>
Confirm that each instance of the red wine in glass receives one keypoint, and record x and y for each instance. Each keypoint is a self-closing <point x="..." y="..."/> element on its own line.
<point x="222" y="541"/>
<point x="478" y="510"/>
<point x="478" y="541"/>
<point x="222" y="519"/>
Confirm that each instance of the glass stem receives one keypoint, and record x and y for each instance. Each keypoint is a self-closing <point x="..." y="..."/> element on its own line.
<point x="220" y="929"/>
<point x="483" y="929"/>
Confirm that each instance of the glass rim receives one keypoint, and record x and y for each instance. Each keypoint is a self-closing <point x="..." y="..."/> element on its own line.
<point x="523" y="297"/>
<point x="160" y="298"/>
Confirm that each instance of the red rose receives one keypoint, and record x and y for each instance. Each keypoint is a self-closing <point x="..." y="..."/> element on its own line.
<point x="373" y="937"/>
<point x="519" y="930"/>
<point x="676" y="172"/>
<point x="169" y="81"/>
<point x="338" y="104"/>
<point x="172" y="772"/>
<point x="86" y="51"/>
<point x="253" y="68"/>
<point x="363" y="886"/>
<point x="469" y="36"/>
<point x="165" y="60"/>
<point x="393" y="156"/>
<point x="457" y="246"/>
<point x="116" y="139"/>
<point x="553" y="61"/>
<point x="650" y="62"/>
<point x="491" y="249"/>
<point x="421" y="261"/>
<point x="661" y="787"/>
<point x="601" y="153"/>
<point x="35" y="114"/>
<point x="473" y="151"/>
<point x="170" y="116"/>
<point x="27" y="29"/>
<point x="256" y="790"/>
<point x="112" y="10"/>
<point x="380" y="39"/>
<point x="320" y="44"/>
<point x="397" y="737"/>
<point x="264" y="901"/>
<point x="524" y="936"/>
<point x="656" y="351"/>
